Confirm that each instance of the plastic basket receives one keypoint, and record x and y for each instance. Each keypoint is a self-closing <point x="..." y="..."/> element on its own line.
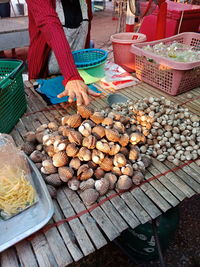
<point x="12" y="96"/>
<point x="165" y="74"/>
<point x="90" y="63"/>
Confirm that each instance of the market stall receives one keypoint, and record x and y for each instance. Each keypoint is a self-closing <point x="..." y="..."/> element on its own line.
<point x="84" y="229"/>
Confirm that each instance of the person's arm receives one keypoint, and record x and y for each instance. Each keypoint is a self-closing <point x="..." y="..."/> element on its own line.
<point x="49" y="24"/>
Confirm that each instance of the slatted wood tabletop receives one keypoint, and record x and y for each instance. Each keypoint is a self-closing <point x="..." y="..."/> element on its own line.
<point x="88" y="229"/>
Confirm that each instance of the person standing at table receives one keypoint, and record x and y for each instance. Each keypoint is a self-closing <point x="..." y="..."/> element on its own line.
<point x="46" y="35"/>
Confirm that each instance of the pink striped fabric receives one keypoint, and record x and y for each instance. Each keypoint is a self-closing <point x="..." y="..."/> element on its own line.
<point x="46" y="33"/>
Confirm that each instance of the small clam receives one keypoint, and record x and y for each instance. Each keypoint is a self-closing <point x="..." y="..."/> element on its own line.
<point x="146" y="161"/>
<point x="107" y="121"/>
<point x="97" y="156"/>
<point x="114" y="149"/>
<point x="103" y="146"/>
<point x="53" y="126"/>
<point x="85" y="131"/>
<point x="135" y="138"/>
<point x="64" y="120"/>
<point x="117" y="171"/>
<point x="134" y="153"/>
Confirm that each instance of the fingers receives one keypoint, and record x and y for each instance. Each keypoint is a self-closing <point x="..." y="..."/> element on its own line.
<point x="85" y="97"/>
<point x="71" y="97"/>
<point x="91" y="92"/>
<point x="64" y="93"/>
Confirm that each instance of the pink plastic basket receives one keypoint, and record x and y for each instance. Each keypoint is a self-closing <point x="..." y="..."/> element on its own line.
<point x="165" y="74"/>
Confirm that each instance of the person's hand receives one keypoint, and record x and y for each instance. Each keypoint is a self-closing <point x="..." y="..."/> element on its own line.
<point x="79" y="90"/>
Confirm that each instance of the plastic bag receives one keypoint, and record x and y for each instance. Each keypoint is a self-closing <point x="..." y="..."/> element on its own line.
<point x="17" y="191"/>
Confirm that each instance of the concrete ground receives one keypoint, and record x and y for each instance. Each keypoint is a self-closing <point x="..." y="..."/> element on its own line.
<point x="184" y="250"/>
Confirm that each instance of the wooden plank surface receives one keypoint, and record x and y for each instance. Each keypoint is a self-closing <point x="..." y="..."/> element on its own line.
<point x="81" y="236"/>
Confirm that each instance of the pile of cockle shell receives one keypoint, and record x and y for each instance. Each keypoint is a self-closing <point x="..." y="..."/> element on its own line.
<point x="174" y="133"/>
<point x="91" y="152"/>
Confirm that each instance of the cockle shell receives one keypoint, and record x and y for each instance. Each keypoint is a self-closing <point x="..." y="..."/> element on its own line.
<point x="103" y="146"/>
<point x="99" y="173"/>
<point x="42" y="127"/>
<point x="49" y="150"/>
<point x="60" y="145"/>
<point x="89" y="196"/>
<point x="39" y="135"/>
<point x="97" y="156"/>
<point x="98" y="131"/>
<point x="119" y="160"/>
<point x="72" y="150"/>
<point x="84" y="111"/>
<point x="30" y="137"/>
<point x="135" y="138"/>
<point x="116" y="116"/>
<point x="87" y="184"/>
<point x="127" y="170"/>
<point x="52" y="190"/>
<point x="107" y="164"/>
<point x="75" y="137"/>
<point x="124" y="119"/>
<point x="107" y="121"/>
<point x="36" y="156"/>
<point x="89" y="142"/>
<point x="134" y="153"/>
<point x="53" y="179"/>
<point x="64" y="120"/>
<point x="53" y="126"/>
<point x="48" y="167"/>
<point x="84" y="172"/>
<point x="60" y="159"/>
<point x="124" y="150"/>
<point x="75" y="163"/>
<point x="74" y="120"/>
<point x="97" y="117"/>
<point x="112" y="179"/>
<point x="119" y="127"/>
<point x="66" y="130"/>
<point x="65" y="173"/>
<point x="124" y="140"/>
<point x="84" y="154"/>
<point x="116" y="171"/>
<point x="114" y="149"/>
<point x="124" y="182"/>
<point x="102" y="186"/>
<point x="73" y="184"/>
<point x="85" y="129"/>
<point x="112" y="135"/>
<point x="28" y="148"/>
<point x="138" y="177"/>
<point x="92" y="165"/>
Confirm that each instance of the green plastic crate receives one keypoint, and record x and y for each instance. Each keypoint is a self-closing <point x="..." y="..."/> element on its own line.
<point x="12" y="95"/>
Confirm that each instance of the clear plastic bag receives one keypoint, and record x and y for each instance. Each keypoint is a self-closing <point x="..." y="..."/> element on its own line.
<point x="17" y="191"/>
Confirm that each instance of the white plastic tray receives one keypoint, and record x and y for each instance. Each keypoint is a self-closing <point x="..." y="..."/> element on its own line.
<point x="30" y="220"/>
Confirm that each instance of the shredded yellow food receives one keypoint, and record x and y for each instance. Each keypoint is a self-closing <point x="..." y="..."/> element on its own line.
<point x="16" y="192"/>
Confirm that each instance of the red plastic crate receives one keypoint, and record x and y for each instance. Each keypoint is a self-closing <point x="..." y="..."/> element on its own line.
<point x="165" y="74"/>
<point x="186" y="14"/>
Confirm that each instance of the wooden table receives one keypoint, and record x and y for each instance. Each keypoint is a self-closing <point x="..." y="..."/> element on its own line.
<point x="85" y="231"/>
<point x="13" y="32"/>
